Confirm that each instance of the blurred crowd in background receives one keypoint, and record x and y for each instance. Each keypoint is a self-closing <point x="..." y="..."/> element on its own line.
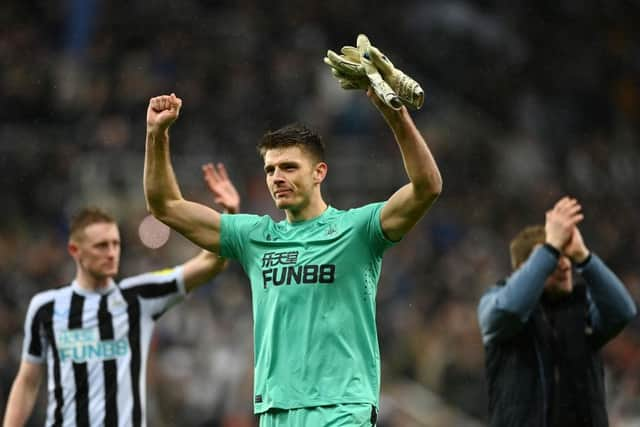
<point x="526" y="102"/>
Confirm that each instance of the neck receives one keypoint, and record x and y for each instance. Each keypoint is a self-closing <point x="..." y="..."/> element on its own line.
<point x="310" y="211"/>
<point x="91" y="283"/>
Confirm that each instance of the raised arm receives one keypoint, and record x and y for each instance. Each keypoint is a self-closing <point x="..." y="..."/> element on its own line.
<point x="407" y="205"/>
<point x="202" y="268"/>
<point x="224" y="192"/>
<point x="23" y="394"/>
<point x="196" y="222"/>
<point x="503" y="310"/>
<point x="611" y="306"/>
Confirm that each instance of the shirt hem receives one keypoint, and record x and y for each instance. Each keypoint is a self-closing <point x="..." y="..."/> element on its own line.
<point x="264" y="407"/>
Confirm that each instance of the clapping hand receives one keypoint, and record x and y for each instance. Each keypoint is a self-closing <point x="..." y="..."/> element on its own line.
<point x="224" y="192"/>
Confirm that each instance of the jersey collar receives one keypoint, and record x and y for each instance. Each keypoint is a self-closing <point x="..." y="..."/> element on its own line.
<point x="86" y="292"/>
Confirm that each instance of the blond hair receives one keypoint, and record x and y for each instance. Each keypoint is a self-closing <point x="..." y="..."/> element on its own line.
<point x="86" y="217"/>
<point x="524" y="242"/>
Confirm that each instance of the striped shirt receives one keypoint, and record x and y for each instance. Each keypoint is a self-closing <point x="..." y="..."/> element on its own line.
<point x="95" y="344"/>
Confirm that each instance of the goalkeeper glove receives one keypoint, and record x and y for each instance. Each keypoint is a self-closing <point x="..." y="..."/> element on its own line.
<point x="349" y="69"/>
<point x="353" y="72"/>
<point x="407" y="89"/>
<point x="378" y="84"/>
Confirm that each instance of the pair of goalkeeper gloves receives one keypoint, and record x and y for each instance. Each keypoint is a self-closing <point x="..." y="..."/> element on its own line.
<point x="364" y="65"/>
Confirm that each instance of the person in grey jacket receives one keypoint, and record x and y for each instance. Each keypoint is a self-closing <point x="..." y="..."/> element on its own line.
<point x="542" y="332"/>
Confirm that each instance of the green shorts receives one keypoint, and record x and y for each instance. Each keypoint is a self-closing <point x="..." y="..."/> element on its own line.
<point x="343" y="415"/>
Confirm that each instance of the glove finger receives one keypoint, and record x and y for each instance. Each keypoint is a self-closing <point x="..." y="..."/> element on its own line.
<point x="380" y="60"/>
<point x="347" y="48"/>
<point x="348" y="84"/>
<point x="340" y="75"/>
<point x="363" y="44"/>
<point x="351" y="53"/>
<point x="341" y="64"/>
<point x="330" y="63"/>
<point x="334" y="58"/>
<point x="341" y="60"/>
<point x="350" y="81"/>
<point x="368" y="67"/>
<point x="384" y="91"/>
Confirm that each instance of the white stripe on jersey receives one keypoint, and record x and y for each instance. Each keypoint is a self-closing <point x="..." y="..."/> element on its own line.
<point x="95" y="372"/>
<point x="82" y="352"/>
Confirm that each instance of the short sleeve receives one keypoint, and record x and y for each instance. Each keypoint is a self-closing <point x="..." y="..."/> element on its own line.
<point x="35" y="344"/>
<point x="367" y="220"/>
<point x="156" y="291"/>
<point x="234" y="231"/>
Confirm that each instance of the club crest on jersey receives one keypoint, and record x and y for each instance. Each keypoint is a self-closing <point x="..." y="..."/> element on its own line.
<point x="117" y="303"/>
<point x="331" y="230"/>
<point x="84" y="344"/>
<point x="279" y="268"/>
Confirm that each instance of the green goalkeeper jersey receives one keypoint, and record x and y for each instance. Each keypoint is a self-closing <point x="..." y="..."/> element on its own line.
<point x="313" y="289"/>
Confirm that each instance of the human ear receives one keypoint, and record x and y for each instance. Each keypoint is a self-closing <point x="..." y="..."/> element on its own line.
<point x="320" y="172"/>
<point x="73" y="249"/>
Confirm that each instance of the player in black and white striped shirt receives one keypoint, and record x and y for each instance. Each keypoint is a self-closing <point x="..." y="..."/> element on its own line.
<point x="94" y="333"/>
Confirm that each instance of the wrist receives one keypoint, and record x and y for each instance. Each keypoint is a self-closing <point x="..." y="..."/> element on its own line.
<point x="552" y="249"/>
<point x="157" y="133"/>
<point x="399" y="121"/>
<point x="580" y="257"/>
<point x="395" y="116"/>
<point x="557" y="246"/>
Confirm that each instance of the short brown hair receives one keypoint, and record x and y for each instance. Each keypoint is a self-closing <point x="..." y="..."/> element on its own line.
<point x="86" y="217"/>
<point x="293" y="135"/>
<point x="524" y="242"/>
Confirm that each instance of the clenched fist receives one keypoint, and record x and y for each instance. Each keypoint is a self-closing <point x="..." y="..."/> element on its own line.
<point x="162" y="112"/>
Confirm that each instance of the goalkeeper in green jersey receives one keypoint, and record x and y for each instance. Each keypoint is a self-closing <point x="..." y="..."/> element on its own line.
<point x="313" y="275"/>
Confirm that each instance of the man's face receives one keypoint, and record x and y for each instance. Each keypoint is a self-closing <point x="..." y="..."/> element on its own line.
<point x="291" y="176"/>
<point x="97" y="250"/>
<point x="560" y="282"/>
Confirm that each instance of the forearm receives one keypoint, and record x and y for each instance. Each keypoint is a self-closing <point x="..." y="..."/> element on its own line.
<point x="515" y="301"/>
<point x="202" y="268"/>
<point x="160" y="183"/>
<point x="417" y="158"/>
<point x="20" y="404"/>
<point x="195" y="221"/>
<point x="524" y="287"/>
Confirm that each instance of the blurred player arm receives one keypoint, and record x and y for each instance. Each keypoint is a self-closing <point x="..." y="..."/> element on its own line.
<point x="206" y="265"/>
<point x="223" y="190"/>
<point x="503" y="310"/>
<point x="202" y="268"/>
<point x="407" y="205"/>
<point x="611" y="307"/>
<point x="195" y="221"/>
<point x="23" y="394"/>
